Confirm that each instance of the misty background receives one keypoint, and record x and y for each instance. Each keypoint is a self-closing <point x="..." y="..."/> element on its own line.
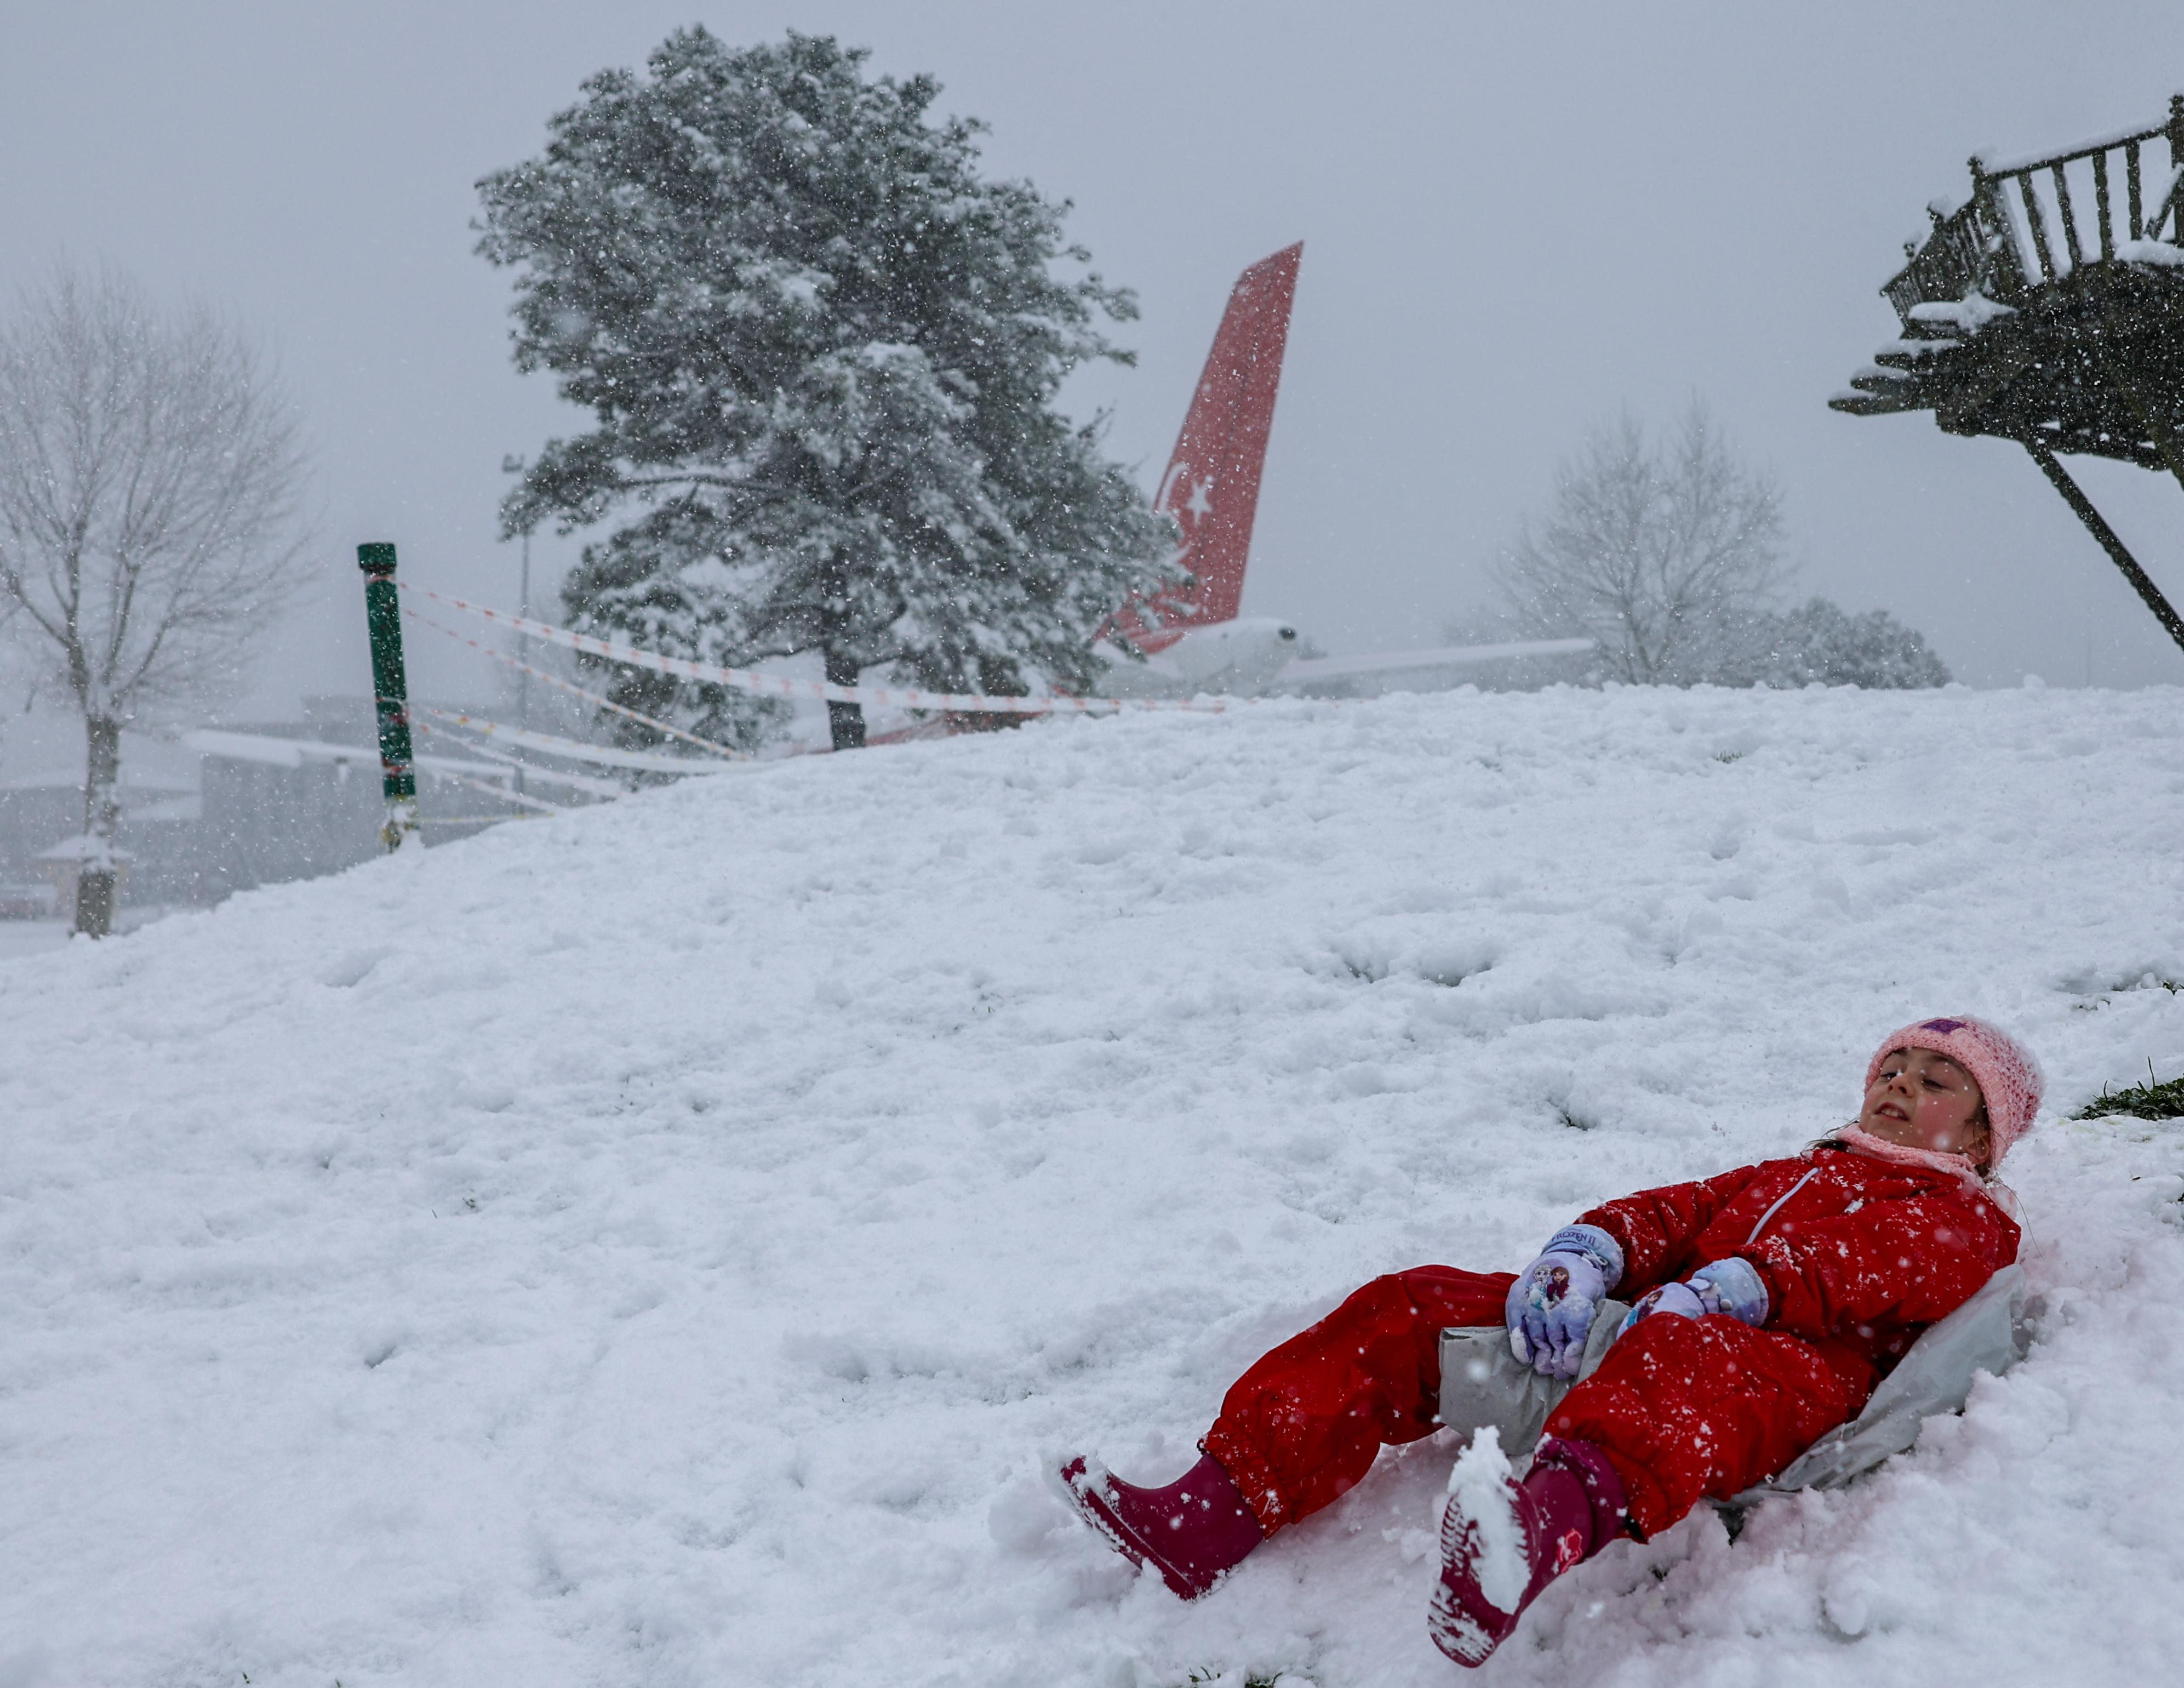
<point x="1515" y="226"/>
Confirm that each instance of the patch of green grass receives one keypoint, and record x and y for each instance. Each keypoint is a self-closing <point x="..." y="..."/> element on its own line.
<point x="2152" y="1100"/>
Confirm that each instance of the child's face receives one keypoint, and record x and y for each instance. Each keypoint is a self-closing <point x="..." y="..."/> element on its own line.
<point x="1923" y="1099"/>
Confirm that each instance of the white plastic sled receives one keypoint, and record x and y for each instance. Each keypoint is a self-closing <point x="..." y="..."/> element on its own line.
<point x="1483" y="1383"/>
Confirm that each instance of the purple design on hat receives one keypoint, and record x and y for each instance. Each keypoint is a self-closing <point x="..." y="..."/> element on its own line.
<point x="1941" y="1026"/>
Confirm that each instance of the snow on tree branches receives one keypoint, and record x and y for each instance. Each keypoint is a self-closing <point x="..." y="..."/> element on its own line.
<point x="821" y="354"/>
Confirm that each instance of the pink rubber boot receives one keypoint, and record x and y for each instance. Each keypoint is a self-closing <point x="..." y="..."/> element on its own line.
<point x="1502" y="1542"/>
<point x="1192" y="1531"/>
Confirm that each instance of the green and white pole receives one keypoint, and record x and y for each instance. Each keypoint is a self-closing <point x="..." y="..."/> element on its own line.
<point x="390" y="688"/>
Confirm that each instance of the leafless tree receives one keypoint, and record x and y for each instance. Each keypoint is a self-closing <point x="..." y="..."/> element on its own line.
<point x="1664" y="555"/>
<point x="151" y="475"/>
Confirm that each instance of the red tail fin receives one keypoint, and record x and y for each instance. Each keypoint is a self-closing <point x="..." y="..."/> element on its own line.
<point x="1212" y="486"/>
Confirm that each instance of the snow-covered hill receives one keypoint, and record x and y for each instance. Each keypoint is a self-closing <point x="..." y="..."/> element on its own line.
<point x="666" y="1245"/>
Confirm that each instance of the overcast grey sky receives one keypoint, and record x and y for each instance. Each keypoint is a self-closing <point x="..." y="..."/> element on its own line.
<point x="1517" y="222"/>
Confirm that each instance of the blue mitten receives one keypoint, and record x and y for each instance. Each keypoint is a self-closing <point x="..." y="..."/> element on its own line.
<point x="1552" y="1304"/>
<point x="1731" y="1286"/>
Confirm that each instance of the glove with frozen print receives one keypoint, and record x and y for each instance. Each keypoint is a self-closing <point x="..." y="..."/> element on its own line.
<point x="1730" y="1286"/>
<point x="1551" y="1306"/>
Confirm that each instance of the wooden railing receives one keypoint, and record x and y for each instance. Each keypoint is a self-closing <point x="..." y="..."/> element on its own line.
<point x="2023" y="227"/>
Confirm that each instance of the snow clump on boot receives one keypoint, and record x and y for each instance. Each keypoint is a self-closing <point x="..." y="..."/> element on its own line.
<point x="1483" y="1495"/>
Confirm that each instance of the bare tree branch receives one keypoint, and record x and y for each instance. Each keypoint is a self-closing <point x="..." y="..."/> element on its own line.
<point x="1661" y="555"/>
<point x="150" y="523"/>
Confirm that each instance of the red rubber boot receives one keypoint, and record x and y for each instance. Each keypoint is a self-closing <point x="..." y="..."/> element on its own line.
<point x="1502" y="1542"/>
<point x="1192" y="1531"/>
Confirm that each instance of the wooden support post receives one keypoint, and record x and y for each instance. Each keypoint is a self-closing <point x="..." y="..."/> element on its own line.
<point x="390" y="687"/>
<point x="2169" y="204"/>
<point x="2067" y="217"/>
<point x="2141" y="582"/>
<point x="2101" y="211"/>
<point x="2038" y="224"/>
<point x="1997" y="236"/>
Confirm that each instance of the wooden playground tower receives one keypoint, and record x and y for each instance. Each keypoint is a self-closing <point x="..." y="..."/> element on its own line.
<point x="2049" y="309"/>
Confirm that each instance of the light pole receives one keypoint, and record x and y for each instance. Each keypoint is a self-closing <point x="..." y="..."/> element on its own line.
<point x="514" y="466"/>
<point x="523" y="674"/>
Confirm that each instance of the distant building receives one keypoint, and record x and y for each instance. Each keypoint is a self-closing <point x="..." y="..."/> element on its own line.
<point x="196" y="828"/>
<point x="41" y="808"/>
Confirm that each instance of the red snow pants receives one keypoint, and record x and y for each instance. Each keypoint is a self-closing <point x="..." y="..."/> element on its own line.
<point x="1307" y="1422"/>
<point x="1683" y="1408"/>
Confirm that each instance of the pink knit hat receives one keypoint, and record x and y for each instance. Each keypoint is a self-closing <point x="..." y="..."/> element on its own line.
<point x="2009" y="1079"/>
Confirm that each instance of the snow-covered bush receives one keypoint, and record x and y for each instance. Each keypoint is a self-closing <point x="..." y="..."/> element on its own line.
<point x="1818" y="640"/>
<point x="1667" y="555"/>
<point x="1821" y="642"/>
<point x="820" y="353"/>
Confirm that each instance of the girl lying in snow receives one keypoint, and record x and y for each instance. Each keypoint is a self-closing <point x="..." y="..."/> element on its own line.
<point x="1768" y="1302"/>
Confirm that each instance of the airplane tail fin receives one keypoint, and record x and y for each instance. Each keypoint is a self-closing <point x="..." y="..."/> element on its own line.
<point x="1212" y="486"/>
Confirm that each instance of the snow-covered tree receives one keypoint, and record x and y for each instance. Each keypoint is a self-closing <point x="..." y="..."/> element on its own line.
<point x="1818" y="640"/>
<point x="1663" y="554"/>
<point x="820" y="353"/>
<point x="150" y="472"/>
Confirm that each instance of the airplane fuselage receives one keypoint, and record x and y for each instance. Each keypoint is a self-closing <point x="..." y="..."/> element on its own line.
<point x="1238" y="658"/>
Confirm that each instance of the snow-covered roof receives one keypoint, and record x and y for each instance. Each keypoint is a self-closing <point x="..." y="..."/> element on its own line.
<point x="43" y="752"/>
<point x="80" y="849"/>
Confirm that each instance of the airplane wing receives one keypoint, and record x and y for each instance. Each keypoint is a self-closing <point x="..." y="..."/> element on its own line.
<point x="1309" y="668"/>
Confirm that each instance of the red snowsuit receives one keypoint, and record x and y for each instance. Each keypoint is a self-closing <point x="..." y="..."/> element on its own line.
<point x="1858" y="1255"/>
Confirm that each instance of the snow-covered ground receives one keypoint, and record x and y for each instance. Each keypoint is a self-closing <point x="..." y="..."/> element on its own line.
<point x="34" y="937"/>
<point x="667" y="1245"/>
<point x="31" y="937"/>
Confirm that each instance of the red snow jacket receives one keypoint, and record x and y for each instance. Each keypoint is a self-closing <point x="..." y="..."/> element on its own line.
<point x="1859" y="1255"/>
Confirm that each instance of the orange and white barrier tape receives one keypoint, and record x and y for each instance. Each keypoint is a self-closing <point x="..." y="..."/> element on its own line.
<point x="494" y="760"/>
<point x="574" y="750"/>
<point x="598" y="700"/>
<point x="783" y="685"/>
